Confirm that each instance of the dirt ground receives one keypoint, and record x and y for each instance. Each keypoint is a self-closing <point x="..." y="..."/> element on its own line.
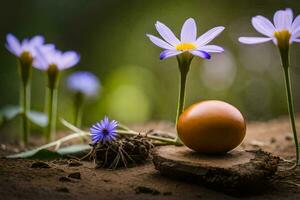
<point x="66" y="179"/>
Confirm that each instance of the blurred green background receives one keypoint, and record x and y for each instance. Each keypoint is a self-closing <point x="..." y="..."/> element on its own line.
<point x="136" y="85"/>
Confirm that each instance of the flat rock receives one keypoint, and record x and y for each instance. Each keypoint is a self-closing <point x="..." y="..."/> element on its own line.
<point x="236" y="172"/>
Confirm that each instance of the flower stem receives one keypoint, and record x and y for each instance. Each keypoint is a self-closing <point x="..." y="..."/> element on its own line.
<point x="78" y="107"/>
<point x="184" y="61"/>
<point x="291" y="111"/>
<point x="52" y="110"/>
<point x="25" y="108"/>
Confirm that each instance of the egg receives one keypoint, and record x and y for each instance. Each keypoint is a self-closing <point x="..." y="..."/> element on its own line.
<point x="212" y="127"/>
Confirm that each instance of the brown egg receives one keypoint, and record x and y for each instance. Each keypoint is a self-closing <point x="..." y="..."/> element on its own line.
<point x="211" y="127"/>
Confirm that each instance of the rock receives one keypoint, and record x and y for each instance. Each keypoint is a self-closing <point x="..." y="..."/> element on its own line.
<point x="146" y="190"/>
<point x="39" y="164"/>
<point x="64" y="179"/>
<point x="237" y="172"/>
<point x="75" y="175"/>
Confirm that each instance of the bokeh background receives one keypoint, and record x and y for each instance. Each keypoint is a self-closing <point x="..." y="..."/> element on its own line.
<point x="136" y="85"/>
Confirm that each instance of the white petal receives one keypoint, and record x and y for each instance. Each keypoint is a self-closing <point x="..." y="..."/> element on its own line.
<point x="211" y="48"/>
<point x="37" y="40"/>
<point x="209" y="36"/>
<point x="189" y="31"/>
<point x="295" y="34"/>
<point x="168" y="53"/>
<point x="159" y="42"/>
<point x="166" y="33"/>
<point x="283" y="19"/>
<point x="254" y="40"/>
<point x="13" y="44"/>
<point x="263" y="25"/>
<point x="296" y="24"/>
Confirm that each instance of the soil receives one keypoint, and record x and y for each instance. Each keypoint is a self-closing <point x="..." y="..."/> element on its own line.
<point x="70" y="179"/>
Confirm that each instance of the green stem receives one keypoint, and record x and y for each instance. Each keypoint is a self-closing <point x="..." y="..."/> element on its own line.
<point x="78" y="107"/>
<point x="184" y="61"/>
<point x="25" y="108"/>
<point x="291" y="111"/>
<point x="52" y="110"/>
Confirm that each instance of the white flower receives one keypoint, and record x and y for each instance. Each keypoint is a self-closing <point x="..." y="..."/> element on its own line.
<point x="284" y="31"/>
<point x="188" y="40"/>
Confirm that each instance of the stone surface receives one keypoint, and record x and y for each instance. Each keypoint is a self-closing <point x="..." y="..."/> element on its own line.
<point x="238" y="172"/>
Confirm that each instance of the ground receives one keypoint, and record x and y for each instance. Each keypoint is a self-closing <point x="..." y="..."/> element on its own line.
<point x="58" y="179"/>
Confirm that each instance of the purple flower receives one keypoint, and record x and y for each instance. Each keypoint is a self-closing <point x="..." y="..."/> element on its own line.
<point x="104" y="131"/>
<point x="188" y="40"/>
<point x="27" y="45"/>
<point x="84" y="82"/>
<point x="284" y="31"/>
<point x="47" y="57"/>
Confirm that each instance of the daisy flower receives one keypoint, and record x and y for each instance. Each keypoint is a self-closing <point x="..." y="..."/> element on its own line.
<point x="84" y="82"/>
<point x="53" y="61"/>
<point x="283" y="33"/>
<point x="104" y="131"/>
<point x="27" y="46"/>
<point x="188" y="40"/>
<point x="84" y="85"/>
<point x="47" y="58"/>
<point x="185" y="50"/>
<point x="25" y="51"/>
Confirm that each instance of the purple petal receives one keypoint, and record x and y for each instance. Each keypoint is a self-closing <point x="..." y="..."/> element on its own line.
<point x="263" y="25"/>
<point x="296" y="40"/>
<point x="283" y="19"/>
<point x="189" y="31"/>
<point x="211" y="48"/>
<point x="68" y="59"/>
<point x="168" y="53"/>
<point x="166" y="33"/>
<point x="37" y="40"/>
<point x="201" y="54"/>
<point x="209" y="36"/>
<point x="254" y="40"/>
<point x="13" y="44"/>
<point x="296" y="24"/>
<point x="159" y="42"/>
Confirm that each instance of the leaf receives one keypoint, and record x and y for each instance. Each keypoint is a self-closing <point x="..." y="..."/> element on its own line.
<point x="9" y="112"/>
<point x="38" y="118"/>
<point x="74" y="149"/>
<point x="42" y="154"/>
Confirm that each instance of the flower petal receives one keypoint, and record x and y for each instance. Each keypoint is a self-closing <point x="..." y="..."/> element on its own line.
<point x="209" y="36"/>
<point x="201" y="54"/>
<point x="37" y="40"/>
<point x="263" y="25"/>
<point x="168" y="53"/>
<point x="254" y="40"/>
<point x="68" y="59"/>
<point x="166" y="33"/>
<point x="189" y="31"/>
<point x="211" y="48"/>
<point x="296" y="40"/>
<point x="283" y="19"/>
<point x="13" y="44"/>
<point x="296" y="24"/>
<point x="159" y="42"/>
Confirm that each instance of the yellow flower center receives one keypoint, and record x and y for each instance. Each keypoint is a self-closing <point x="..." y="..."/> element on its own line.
<point x="185" y="46"/>
<point x="283" y="38"/>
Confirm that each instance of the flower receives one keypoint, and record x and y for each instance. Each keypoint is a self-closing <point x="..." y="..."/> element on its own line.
<point x="17" y="48"/>
<point x="284" y="31"/>
<point x="84" y="82"/>
<point x="51" y="57"/>
<point x="188" y="40"/>
<point x="104" y="131"/>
